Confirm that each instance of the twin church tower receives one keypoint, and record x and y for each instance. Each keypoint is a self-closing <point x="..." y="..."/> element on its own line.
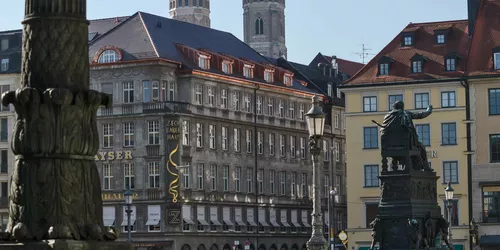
<point x="263" y="22"/>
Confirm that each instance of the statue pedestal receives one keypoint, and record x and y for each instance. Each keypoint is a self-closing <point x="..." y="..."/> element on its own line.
<point x="407" y="195"/>
<point x="67" y="245"/>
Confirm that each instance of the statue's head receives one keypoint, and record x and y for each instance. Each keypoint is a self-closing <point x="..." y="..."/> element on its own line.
<point x="398" y="105"/>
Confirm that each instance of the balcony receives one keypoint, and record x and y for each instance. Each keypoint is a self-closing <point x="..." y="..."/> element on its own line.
<point x="153" y="150"/>
<point x="154" y="194"/>
<point x="166" y="107"/>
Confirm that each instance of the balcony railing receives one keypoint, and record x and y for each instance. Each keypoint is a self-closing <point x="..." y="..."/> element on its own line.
<point x="144" y="108"/>
<point x="153" y="150"/>
<point x="155" y="194"/>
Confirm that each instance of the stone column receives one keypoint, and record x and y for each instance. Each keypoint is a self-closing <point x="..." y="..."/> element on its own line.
<point x="55" y="188"/>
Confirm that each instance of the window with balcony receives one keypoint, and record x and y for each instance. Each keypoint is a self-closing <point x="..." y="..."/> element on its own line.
<point x="494" y="101"/>
<point x="171" y="91"/>
<point x="128" y="92"/>
<point x="370" y="104"/>
<point x="154" y="174"/>
<point x="225" y="178"/>
<point x="237" y="142"/>
<point x="271" y="143"/>
<point x="154" y="132"/>
<point x="237" y="179"/>
<point x="449" y="133"/>
<point x="211" y="136"/>
<point x="224" y="138"/>
<point x="200" y="174"/>
<point x="107" y="135"/>
<point x="107" y="176"/>
<point x="491" y="204"/>
<point x="213" y="177"/>
<point x="128" y="134"/>
<point x="185" y="133"/>
<point x="129" y="175"/>
<point x="272" y="180"/>
<point x="199" y="135"/>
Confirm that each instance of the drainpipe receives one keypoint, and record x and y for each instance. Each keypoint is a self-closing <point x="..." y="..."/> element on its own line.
<point x="465" y="84"/>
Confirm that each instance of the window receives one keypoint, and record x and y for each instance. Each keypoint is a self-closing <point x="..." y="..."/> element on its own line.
<point x="259" y="105"/>
<point x="270" y="106"/>
<point x="249" y="180"/>
<point x="450" y="171"/>
<point x="154" y="174"/>
<point x="199" y="135"/>
<point x="282" y="183"/>
<point x="421" y="100"/>
<point x="303" y="185"/>
<point x="200" y="174"/>
<point x="260" y="180"/>
<point x="223" y="98"/>
<point x="454" y="211"/>
<point x="236" y="100"/>
<point x="448" y="99"/>
<point x="225" y="178"/>
<point x="4" y="44"/>
<point x="337" y="151"/>
<point x="293" y="141"/>
<point x="371" y="212"/>
<point x="4" y="130"/>
<point x="408" y="41"/>
<point x="154" y="132"/>
<point x="185" y="178"/>
<point x="3" y="89"/>
<point x="154" y="216"/>
<point x="260" y="143"/>
<point x="4" y="65"/>
<point x="302" y="148"/>
<point x="128" y="92"/>
<point x="370" y="104"/>
<point x="494" y="101"/>
<point x="271" y="143"/>
<point x="171" y="91"/>
<point x="370" y="137"/>
<point x="491" y="204"/>
<point x="440" y="39"/>
<point x="383" y="69"/>
<point x="291" y="110"/>
<point x="237" y="179"/>
<point x="326" y="150"/>
<point x="107" y="176"/>
<point x="259" y="26"/>
<point x="249" y="141"/>
<point x="211" y="96"/>
<point x="185" y="133"/>
<point x="108" y="56"/>
<point x="211" y="135"/>
<point x="237" y="143"/>
<point x="268" y="75"/>
<point x="301" y="111"/>
<point x="371" y="176"/>
<point x="282" y="145"/>
<point x="326" y="185"/>
<point x="227" y="67"/>
<point x="272" y="178"/>
<point x="224" y="136"/>
<point x="336" y="121"/>
<point x="330" y="90"/>
<point x="107" y="134"/>
<point x="203" y="62"/>
<point x="416" y="67"/>
<point x="287" y="80"/>
<point x="393" y="99"/>
<point x="497" y="61"/>
<point x="450" y="64"/>
<point x="156" y="90"/>
<point x="248" y="103"/>
<point x="129" y="175"/>
<point x="495" y="148"/>
<point x="248" y="71"/>
<point x="449" y="133"/>
<point x="281" y="108"/>
<point x="293" y="183"/>
<point x="128" y="134"/>
<point x="198" y="94"/>
<point x="424" y="134"/>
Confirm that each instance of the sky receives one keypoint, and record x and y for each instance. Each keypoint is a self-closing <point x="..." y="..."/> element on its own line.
<point x="332" y="27"/>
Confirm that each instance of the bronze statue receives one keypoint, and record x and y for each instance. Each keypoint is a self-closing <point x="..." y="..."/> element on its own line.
<point x="415" y="236"/>
<point x="429" y="231"/>
<point x="398" y="117"/>
<point x="376" y="226"/>
<point x="442" y="230"/>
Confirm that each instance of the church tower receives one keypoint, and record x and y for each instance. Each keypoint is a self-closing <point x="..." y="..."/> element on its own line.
<point x="264" y="26"/>
<point x="191" y="11"/>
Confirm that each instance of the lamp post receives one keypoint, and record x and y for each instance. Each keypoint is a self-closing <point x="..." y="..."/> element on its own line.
<point x="315" y="119"/>
<point x="448" y="192"/>
<point x="331" y="213"/>
<point x="128" y="202"/>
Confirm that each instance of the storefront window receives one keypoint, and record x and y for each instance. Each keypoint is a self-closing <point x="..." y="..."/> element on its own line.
<point x="491" y="204"/>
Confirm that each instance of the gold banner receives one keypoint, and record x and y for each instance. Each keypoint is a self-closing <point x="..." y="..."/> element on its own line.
<point x="116" y="196"/>
<point x="113" y="155"/>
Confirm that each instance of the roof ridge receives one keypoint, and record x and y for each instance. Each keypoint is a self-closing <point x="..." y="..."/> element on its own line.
<point x="147" y="32"/>
<point x="437" y="22"/>
<point x="109" y="18"/>
<point x="11" y="31"/>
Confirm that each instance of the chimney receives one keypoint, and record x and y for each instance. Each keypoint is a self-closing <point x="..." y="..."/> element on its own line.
<point x="472" y="8"/>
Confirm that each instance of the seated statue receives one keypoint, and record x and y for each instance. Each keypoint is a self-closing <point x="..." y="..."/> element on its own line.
<point x="398" y="116"/>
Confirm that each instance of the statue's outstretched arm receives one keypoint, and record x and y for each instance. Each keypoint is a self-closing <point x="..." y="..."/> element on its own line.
<point x="421" y="115"/>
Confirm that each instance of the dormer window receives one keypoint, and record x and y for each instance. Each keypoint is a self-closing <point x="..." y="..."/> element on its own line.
<point x="496" y="58"/>
<point x="440" y="39"/>
<point x="450" y="62"/>
<point x="384" y="65"/>
<point x="408" y="40"/>
<point x="227" y="67"/>
<point x="108" y="56"/>
<point x="4" y="65"/>
<point x="440" y="35"/>
<point x="417" y="63"/>
<point x="4" y="44"/>
<point x="268" y="75"/>
<point x="248" y="71"/>
<point x="330" y="90"/>
<point x="203" y="62"/>
<point x="287" y="79"/>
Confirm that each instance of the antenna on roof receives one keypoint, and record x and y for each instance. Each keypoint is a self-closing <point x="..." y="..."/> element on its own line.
<point x="363" y="55"/>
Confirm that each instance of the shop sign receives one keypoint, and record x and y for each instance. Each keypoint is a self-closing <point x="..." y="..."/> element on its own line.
<point x="113" y="155"/>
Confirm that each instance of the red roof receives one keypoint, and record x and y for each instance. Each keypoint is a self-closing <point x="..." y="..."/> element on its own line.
<point x="486" y="38"/>
<point x="424" y="44"/>
<point x="346" y="66"/>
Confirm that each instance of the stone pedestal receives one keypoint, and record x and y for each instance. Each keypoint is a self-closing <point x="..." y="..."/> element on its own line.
<point x="67" y="245"/>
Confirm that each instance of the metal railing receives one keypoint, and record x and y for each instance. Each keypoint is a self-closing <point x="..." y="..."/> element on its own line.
<point x="145" y="108"/>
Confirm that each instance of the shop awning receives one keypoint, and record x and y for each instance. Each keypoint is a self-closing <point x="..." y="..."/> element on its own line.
<point x="152" y="222"/>
<point x="125" y="222"/>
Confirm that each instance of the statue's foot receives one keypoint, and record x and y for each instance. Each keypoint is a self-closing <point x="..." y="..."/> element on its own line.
<point x="94" y="232"/>
<point x="110" y="233"/>
<point x="60" y="232"/>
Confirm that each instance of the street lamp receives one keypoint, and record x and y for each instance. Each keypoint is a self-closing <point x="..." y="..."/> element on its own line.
<point x="128" y="202"/>
<point x="315" y="119"/>
<point x="331" y="205"/>
<point x="448" y="192"/>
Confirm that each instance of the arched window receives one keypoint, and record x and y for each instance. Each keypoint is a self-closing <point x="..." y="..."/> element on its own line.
<point x="214" y="247"/>
<point x="201" y="247"/>
<point x="108" y="56"/>
<point x="259" y="26"/>
<point x="227" y="247"/>
<point x="186" y="247"/>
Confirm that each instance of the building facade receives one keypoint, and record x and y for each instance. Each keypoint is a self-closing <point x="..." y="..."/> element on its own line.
<point x="10" y="68"/>
<point x="484" y="84"/>
<point x="422" y="66"/>
<point x="191" y="11"/>
<point x="264" y="27"/>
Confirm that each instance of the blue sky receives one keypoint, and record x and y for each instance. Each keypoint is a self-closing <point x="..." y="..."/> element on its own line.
<point x="332" y="27"/>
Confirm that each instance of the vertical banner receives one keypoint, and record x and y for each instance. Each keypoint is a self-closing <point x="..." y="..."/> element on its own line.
<point x="172" y="158"/>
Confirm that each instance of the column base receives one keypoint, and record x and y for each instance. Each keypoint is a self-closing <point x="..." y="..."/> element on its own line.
<point x="316" y="243"/>
<point x="66" y="245"/>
